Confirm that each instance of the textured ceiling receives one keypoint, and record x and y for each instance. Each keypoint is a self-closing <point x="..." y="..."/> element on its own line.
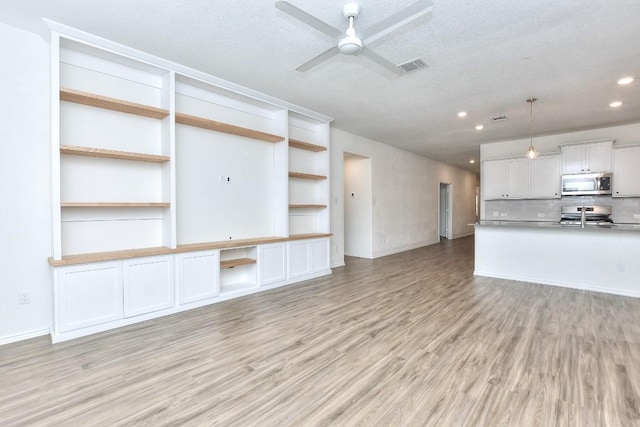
<point x="485" y="57"/>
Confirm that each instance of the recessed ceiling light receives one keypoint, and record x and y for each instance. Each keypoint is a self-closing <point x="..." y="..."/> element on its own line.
<point x="472" y="161"/>
<point x="625" y="80"/>
<point x="462" y="114"/>
<point x="615" y="104"/>
<point x="479" y="127"/>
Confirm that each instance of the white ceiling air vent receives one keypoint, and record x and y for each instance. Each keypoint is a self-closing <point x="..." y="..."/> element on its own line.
<point x="498" y="118"/>
<point x="414" y="64"/>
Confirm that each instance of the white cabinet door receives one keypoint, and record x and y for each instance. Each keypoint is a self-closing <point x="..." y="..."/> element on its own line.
<point x="545" y="177"/>
<point x="319" y="255"/>
<point x="87" y="295"/>
<point x="626" y="172"/>
<point x="198" y="276"/>
<point x="599" y="157"/>
<point x="573" y="159"/>
<point x="591" y="157"/>
<point x="518" y="178"/>
<point x="148" y="285"/>
<point x="494" y="179"/>
<point x="299" y="259"/>
<point x="272" y="263"/>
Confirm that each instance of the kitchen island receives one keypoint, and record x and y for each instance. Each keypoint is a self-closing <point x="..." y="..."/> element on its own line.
<point x="602" y="259"/>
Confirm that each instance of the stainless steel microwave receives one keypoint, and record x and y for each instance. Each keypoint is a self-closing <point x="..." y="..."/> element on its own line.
<point x="586" y="184"/>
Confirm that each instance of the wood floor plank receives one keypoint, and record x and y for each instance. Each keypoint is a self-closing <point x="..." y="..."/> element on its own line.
<point x="408" y="339"/>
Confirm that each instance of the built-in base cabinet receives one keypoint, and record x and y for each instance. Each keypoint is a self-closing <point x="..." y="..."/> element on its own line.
<point x="99" y="296"/>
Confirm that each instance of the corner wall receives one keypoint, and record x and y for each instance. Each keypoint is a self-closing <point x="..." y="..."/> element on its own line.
<point x="405" y="195"/>
<point x="25" y="171"/>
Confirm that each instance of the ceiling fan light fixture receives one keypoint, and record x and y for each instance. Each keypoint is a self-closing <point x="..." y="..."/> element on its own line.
<point x="350" y="45"/>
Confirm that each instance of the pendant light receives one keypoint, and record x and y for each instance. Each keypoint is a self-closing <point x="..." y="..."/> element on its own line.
<point x="531" y="153"/>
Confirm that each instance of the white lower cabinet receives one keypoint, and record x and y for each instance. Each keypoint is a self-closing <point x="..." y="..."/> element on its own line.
<point x="307" y="257"/>
<point x="299" y="260"/>
<point x="319" y="255"/>
<point x="87" y="295"/>
<point x="148" y="285"/>
<point x="272" y="263"/>
<point x="99" y="296"/>
<point x="198" y="276"/>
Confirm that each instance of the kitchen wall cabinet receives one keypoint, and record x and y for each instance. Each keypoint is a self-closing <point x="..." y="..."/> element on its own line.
<point x="521" y="178"/>
<point x="587" y="157"/>
<point x="544" y="177"/>
<point x="626" y="172"/>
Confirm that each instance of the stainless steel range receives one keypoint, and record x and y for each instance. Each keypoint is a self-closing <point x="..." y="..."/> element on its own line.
<point x="585" y="216"/>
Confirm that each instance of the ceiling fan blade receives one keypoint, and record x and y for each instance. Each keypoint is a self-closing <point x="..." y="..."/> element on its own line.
<point x="395" y="21"/>
<point x="318" y="59"/>
<point x="310" y="20"/>
<point x="381" y="61"/>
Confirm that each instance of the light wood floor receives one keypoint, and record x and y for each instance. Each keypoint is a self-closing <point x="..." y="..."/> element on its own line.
<point x="407" y="340"/>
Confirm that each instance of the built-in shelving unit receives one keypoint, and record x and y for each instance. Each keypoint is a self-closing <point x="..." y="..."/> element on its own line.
<point x="94" y="100"/>
<point x="112" y="154"/>
<point x="166" y="196"/>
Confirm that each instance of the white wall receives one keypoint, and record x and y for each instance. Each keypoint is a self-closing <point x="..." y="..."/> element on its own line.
<point x="358" y="213"/>
<point x="25" y="219"/>
<point x="405" y="194"/>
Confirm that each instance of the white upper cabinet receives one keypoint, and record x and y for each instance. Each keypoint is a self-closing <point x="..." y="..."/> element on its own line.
<point x="521" y="178"/>
<point x="589" y="157"/>
<point x="518" y="178"/>
<point x="494" y="179"/>
<point x="626" y="172"/>
<point x="544" y="177"/>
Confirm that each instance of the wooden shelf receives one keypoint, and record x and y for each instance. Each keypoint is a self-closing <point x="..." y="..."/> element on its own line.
<point x="313" y="206"/>
<point x="144" y="252"/>
<point x="115" y="205"/>
<point x="185" y="119"/>
<point x="306" y="145"/>
<point x="306" y="176"/>
<point x="114" y="104"/>
<point x="230" y="263"/>
<point x="112" y="154"/>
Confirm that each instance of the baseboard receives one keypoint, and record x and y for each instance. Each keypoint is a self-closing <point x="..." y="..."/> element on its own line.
<point x="560" y="284"/>
<point x="23" y="336"/>
<point x="403" y="249"/>
<point x="339" y="264"/>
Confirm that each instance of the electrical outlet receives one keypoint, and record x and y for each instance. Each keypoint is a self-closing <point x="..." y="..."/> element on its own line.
<point x="636" y="216"/>
<point x="541" y="215"/>
<point x="24" y="297"/>
<point x="503" y="214"/>
<point x="496" y="213"/>
<point x="620" y="267"/>
<point x="225" y="179"/>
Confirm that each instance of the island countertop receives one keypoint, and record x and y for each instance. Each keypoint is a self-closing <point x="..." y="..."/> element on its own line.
<point x="556" y="225"/>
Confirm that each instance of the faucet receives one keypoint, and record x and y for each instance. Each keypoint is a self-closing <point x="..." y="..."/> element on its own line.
<point x="582" y="217"/>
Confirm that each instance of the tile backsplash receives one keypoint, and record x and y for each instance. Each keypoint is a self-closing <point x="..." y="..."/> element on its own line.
<point x="624" y="210"/>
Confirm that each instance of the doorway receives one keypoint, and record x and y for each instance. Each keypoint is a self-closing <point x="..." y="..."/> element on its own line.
<point x="445" y="215"/>
<point x="358" y="208"/>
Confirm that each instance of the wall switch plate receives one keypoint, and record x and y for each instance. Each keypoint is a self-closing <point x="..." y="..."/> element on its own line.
<point x="620" y="267"/>
<point x="496" y="214"/>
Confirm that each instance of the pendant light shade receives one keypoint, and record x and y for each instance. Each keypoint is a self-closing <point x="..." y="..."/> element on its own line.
<point x="531" y="153"/>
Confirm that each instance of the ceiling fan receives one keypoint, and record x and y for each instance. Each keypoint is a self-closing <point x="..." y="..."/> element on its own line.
<point x="350" y="42"/>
